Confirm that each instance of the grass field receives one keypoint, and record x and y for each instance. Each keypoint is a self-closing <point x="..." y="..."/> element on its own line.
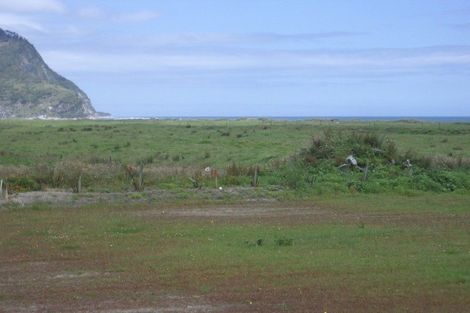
<point x="309" y="238"/>
<point x="200" y="143"/>
<point x="361" y="253"/>
<point x="38" y="155"/>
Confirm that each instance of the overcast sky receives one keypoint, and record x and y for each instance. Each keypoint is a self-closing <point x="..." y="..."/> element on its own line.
<point x="256" y="57"/>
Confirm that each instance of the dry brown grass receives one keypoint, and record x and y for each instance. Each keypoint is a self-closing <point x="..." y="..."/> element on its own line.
<point x="14" y="171"/>
<point x="445" y="161"/>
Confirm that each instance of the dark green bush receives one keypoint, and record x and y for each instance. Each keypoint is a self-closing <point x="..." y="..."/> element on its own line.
<point x="284" y="242"/>
<point x="316" y="169"/>
<point x="23" y="184"/>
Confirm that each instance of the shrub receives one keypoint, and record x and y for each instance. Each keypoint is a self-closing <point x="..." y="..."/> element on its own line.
<point x="23" y="184"/>
<point x="234" y="170"/>
<point x="284" y="242"/>
<point x="316" y="168"/>
<point x="337" y="146"/>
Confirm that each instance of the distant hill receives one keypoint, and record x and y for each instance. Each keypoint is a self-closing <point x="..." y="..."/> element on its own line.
<point x="29" y="88"/>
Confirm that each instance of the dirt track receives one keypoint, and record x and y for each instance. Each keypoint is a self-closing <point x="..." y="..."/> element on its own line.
<point x="152" y="196"/>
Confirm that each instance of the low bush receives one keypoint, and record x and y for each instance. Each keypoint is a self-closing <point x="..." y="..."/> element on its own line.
<point x="22" y="184"/>
<point x="324" y="168"/>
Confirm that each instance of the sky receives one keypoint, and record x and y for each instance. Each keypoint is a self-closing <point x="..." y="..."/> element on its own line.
<point x="256" y="57"/>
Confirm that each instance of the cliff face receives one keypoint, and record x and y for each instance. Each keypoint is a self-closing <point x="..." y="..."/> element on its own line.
<point x="29" y="88"/>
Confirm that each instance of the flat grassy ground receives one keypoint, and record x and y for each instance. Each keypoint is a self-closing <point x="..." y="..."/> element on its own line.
<point x="202" y="143"/>
<point x="175" y="248"/>
<point x="356" y="253"/>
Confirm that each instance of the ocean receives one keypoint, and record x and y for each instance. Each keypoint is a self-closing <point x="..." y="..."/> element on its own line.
<point x="437" y="119"/>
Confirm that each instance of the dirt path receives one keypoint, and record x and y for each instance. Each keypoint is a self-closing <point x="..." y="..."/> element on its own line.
<point x="301" y="214"/>
<point x="62" y="197"/>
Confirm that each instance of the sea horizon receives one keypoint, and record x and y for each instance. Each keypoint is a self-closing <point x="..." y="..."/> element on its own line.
<point x="440" y="119"/>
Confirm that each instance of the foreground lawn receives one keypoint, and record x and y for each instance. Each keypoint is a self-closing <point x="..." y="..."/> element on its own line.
<point x="364" y="253"/>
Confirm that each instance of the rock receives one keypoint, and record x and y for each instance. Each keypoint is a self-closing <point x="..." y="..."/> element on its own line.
<point x="351" y="160"/>
<point x="30" y="89"/>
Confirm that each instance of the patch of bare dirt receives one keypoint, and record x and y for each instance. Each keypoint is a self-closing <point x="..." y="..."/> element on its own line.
<point x="302" y="214"/>
<point x="62" y="197"/>
<point x="237" y="211"/>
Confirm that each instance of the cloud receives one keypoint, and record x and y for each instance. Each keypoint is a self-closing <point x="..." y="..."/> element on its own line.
<point x="190" y="39"/>
<point x="18" y="22"/>
<point x="199" y="41"/>
<point x="272" y="37"/>
<point x="141" y="16"/>
<point x="384" y="61"/>
<point x="128" y="63"/>
<point x="32" y="6"/>
<point x="94" y="12"/>
<point x="91" y="13"/>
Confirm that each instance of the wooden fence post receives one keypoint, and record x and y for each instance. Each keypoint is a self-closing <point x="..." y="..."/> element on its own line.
<point x="79" y="184"/>
<point x="215" y="175"/>
<point x="141" y="177"/>
<point x="255" y="181"/>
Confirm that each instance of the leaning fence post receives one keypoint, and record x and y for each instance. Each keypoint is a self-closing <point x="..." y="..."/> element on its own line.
<point x="5" y="196"/>
<point x="1" y="188"/>
<point x="254" y="182"/>
<point x="79" y="184"/>
<point x="215" y="174"/>
<point x="141" y="177"/>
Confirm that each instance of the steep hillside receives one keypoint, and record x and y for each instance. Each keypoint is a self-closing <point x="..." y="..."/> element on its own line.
<point x="29" y="88"/>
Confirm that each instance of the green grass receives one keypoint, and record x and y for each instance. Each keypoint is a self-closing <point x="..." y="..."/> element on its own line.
<point x="372" y="244"/>
<point x="387" y="237"/>
<point x="203" y="142"/>
<point x="35" y="155"/>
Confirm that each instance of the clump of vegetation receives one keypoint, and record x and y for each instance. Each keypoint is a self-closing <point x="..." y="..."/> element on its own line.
<point x="368" y="162"/>
<point x="336" y="146"/>
<point x="284" y="242"/>
<point x="257" y="243"/>
<point x="21" y="184"/>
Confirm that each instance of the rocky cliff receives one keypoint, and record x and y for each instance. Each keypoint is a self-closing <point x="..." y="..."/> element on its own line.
<point x="29" y="88"/>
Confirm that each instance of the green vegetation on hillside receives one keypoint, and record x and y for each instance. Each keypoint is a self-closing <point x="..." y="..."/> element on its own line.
<point x="29" y="88"/>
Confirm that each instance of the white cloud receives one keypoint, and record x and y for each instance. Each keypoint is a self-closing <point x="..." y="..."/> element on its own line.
<point x="32" y="6"/>
<point x="91" y="13"/>
<point x="71" y="30"/>
<point x="204" y="41"/>
<point x="94" y="12"/>
<point x="124" y="63"/>
<point x="18" y="22"/>
<point x="141" y="16"/>
<point x="385" y="61"/>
